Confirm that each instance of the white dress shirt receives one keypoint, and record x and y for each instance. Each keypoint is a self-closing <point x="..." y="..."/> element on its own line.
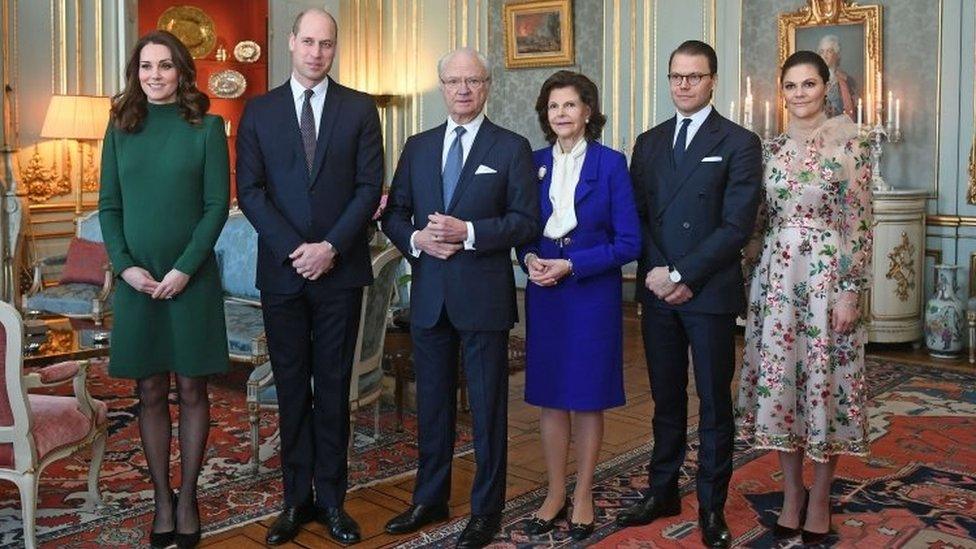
<point x="697" y="120"/>
<point x="467" y="140"/>
<point x="566" y="169"/>
<point x="317" y="101"/>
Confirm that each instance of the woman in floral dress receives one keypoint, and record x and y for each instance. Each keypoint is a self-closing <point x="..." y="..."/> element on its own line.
<point x="802" y="389"/>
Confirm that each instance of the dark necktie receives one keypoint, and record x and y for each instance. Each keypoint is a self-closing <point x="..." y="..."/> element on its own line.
<point x="452" y="167"/>
<point x="308" y="130"/>
<point x="680" y="143"/>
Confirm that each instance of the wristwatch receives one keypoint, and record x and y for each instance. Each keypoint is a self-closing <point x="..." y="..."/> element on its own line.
<point x="673" y="274"/>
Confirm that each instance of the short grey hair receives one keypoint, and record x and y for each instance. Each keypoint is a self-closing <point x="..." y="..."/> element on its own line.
<point x="320" y="11"/>
<point x="831" y="42"/>
<point x="467" y="51"/>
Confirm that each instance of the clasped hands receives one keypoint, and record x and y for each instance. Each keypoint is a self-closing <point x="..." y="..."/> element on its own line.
<point x="311" y="260"/>
<point x="547" y="272"/>
<point x="443" y="236"/>
<point x="658" y="280"/>
<point x="172" y="284"/>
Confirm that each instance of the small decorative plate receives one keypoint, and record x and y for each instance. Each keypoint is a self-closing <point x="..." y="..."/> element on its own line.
<point x="227" y="84"/>
<point x="247" y="51"/>
<point x="192" y="26"/>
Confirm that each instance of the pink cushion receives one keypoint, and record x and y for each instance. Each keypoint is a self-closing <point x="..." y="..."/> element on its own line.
<point x="57" y="422"/>
<point x="59" y="372"/>
<point x="86" y="262"/>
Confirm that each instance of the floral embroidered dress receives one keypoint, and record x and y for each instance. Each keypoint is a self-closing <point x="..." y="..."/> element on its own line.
<point x="802" y="384"/>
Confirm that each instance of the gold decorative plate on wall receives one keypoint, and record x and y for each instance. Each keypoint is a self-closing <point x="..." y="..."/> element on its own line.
<point x="192" y="26"/>
<point x="247" y="51"/>
<point x="227" y="84"/>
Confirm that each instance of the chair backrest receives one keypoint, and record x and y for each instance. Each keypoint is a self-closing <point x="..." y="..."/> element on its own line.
<point x="372" y="319"/>
<point x="237" y="255"/>
<point x="89" y="227"/>
<point x="15" y="422"/>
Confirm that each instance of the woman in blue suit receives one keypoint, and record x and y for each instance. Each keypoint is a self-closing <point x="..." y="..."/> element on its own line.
<point x="574" y="347"/>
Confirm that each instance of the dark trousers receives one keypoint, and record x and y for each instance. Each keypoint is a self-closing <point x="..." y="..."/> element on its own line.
<point x="667" y="335"/>
<point x="311" y="340"/>
<point x="485" y="355"/>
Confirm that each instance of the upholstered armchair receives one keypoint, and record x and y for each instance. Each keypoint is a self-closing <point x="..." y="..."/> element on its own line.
<point x="367" y="372"/>
<point x="85" y="286"/>
<point x="237" y="255"/>
<point x="38" y="429"/>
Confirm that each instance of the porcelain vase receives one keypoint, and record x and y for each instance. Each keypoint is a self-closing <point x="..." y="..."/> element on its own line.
<point x="945" y="315"/>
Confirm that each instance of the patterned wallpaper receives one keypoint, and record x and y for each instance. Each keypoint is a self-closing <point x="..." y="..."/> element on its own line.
<point x="514" y="91"/>
<point x="910" y="43"/>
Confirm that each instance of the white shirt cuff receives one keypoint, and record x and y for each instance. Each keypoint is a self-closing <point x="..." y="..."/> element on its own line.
<point x="413" y="249"/>
<point x="469" y="241"/>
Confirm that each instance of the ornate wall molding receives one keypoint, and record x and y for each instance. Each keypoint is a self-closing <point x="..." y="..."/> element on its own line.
<point x="901" y="268"/>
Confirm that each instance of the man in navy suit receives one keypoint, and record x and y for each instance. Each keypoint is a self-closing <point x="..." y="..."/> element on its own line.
<point x="697" y="184"/>
<point x="463" y="195"/>
<point x="309" y="177"/>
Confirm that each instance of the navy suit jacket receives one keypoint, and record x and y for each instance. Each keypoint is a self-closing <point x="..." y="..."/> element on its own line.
<point x="477" y="287"/>
<point x="697" y="216"/>
<point x="288" y="207"/>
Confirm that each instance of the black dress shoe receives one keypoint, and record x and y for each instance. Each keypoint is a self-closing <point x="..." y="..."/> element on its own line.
<point x="580" y="530"/>
<point x="288" y="523"/>
<point x="785" y="532"/>
<point x="479" y="532"/>
<point x="416" y="517"/>
<point x="191" y="540"/>
<point x="341" y="526"/>
<point x="159" y="540"/>
<point x="536" y="526"/>
<point x="648" y="510"/>
<point x="715" y="533"/>
<point x="816" y="538"/>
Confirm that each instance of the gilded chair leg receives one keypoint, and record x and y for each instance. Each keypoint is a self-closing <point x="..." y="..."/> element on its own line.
<point x="95" y="469"/>
<point x="28" y="507"/>
<point x="376" y="419"/>
<point x="254" y="419"/>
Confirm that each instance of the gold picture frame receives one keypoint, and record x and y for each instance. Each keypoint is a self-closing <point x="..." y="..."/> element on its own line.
<point x="538" y="33"/>
<point x="847" y="19"/>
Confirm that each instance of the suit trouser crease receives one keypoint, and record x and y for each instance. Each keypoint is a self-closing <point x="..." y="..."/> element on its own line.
<point x="667" y="335"/>
<point x="311" y="340"/>
<point x="485" y="356"/>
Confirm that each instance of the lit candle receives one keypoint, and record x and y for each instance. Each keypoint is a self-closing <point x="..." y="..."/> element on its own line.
<point x="891" y="105"/>
<point x="860" y="113"/>
<point x="748" y="86"/>
<point x="732" y="112"/>
<point x="766" y="120"/>
<point x="897" y="115"/>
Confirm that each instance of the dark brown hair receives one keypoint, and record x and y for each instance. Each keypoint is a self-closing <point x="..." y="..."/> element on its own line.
<point x="588" y="95"/>
<point x="129" y="105"/>
<point x="697" y="47"/>
<point x="805" y="57"/>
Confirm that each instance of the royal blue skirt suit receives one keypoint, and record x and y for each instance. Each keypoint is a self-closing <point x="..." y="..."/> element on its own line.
<point x="574" y="329"/>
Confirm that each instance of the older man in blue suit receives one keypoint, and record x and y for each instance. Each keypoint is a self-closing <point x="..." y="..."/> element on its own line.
<point x="697" y="183"/>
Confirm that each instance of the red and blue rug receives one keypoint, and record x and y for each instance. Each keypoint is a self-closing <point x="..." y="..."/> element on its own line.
<point x="918" y="488"/>
<point x="230" y="495"/>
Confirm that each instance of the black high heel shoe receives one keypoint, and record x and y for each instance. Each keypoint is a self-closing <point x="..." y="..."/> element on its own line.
<point x="816" y="538"/>
<point x="191" y="540"/>
<point x="579" y="530"/>
<point x="537" y="526"/>
<point x="783" y="532"/>
<point x="160" y="540"/>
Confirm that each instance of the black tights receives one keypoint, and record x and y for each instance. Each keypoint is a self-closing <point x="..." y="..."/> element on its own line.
<point x="155" y="426"/>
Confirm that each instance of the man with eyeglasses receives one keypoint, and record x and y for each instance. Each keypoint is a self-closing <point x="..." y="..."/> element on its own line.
<point x="464" y="194"/>
<point x="697" y="183"/>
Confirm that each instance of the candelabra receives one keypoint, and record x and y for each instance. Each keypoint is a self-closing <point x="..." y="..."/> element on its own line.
<point x="877" y="136"/>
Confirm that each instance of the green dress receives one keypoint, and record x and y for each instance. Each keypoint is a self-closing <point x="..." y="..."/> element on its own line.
<point x="163" y="201"/>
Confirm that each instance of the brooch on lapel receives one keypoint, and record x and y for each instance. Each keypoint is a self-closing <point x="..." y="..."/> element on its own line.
<point x="542" y="173"/>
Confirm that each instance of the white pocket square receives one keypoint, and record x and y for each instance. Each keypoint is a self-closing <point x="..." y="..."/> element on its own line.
<point x="484" y="169"/>
<point x="712" y="159"/>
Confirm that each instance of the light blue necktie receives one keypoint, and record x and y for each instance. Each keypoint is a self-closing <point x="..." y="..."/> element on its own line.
<point x="452" y="167"/>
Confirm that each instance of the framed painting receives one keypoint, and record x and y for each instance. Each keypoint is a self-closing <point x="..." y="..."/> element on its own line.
<point x="538" y="33"/>
<point x="848" y="37"/>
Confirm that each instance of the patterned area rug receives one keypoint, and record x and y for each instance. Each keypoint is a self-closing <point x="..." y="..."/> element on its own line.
<point x="918" y="489"/>
<point x="230" y="495"/>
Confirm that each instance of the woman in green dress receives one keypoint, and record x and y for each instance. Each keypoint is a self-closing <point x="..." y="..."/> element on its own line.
<point x="163" y="201"/>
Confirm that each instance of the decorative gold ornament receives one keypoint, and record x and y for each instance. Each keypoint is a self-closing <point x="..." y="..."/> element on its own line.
<point x="43" y="182"/>
<point x="192" y="26"/>
<point x="972" y="172"/>
<point x="227" y="84"/>
<point x="902" y="267"/>
<point x="89" y="179"/>
<point x="247" y="51"/>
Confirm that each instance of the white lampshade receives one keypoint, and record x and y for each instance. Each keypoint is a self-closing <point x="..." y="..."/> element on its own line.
<point x="76" y="117"/>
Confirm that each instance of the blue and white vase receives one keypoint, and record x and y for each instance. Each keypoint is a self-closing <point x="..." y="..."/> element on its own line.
<point x="945" y="316"/>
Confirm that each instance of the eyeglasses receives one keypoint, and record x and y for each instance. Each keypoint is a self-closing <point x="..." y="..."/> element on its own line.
<point x="472" y="83"/>
<point x="693" y="79"/>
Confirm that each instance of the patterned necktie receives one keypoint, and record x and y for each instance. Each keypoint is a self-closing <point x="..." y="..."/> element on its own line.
<point x="452" y="167"/>
<point x="681" y="142"/>
<point x="308" y="130"/>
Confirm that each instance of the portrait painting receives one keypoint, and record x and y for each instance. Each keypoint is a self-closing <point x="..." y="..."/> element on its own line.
<point x="842" y="47"/>
<point x="538" y="33"/>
